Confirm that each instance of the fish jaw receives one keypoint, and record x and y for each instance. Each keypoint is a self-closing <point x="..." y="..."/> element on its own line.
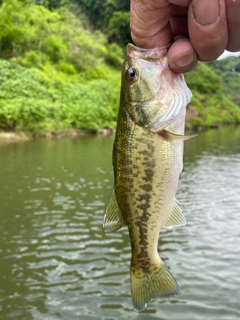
<point x="156" y="95"/>
<point x="152" y="54"/>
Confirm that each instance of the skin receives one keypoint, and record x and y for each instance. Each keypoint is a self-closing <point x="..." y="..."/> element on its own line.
<point x="198" y="30"/>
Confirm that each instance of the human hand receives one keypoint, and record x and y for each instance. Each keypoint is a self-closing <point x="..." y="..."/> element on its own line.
<point x="201" y="29"/>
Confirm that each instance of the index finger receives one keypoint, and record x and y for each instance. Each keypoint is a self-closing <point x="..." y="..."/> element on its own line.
<point x="208" y="29"/>
<point x="149" y="23"/>
<point x="233" y="19"/>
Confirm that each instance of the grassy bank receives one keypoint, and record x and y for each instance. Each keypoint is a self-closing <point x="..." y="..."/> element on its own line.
<point x="212" y="103"/>
<point x="37" y="102"/>
<point x="55" y="75"/>
<point x="50" y="102"/>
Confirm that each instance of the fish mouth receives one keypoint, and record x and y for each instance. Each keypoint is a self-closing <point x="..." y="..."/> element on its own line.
<point x="152" y="54"/>
<point x="166" y="100"/>
<point x="147" y="62"/>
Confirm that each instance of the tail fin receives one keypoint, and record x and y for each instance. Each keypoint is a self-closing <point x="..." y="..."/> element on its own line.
<point x="160" y="284"/>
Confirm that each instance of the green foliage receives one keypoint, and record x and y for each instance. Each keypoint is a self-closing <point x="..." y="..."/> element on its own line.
<point x="229" y="71"/>
<point x="31" y="34"/>
<point x="231" y="81"/>
<point x="214" y="106"/>
<point x="114" y="55"/>
<point x="203" y="79"/>
<point x="110" y="16"/>
<point x="62" y="75"/>
<point x="32" y="100"/>
<point x="119" y="29"/>
<point x="98" y="11"/>
<point x="92" y="106"/>
<point x="52" y="4"/>
<point x="23" y="98"/>
<point x="227" y="64"/>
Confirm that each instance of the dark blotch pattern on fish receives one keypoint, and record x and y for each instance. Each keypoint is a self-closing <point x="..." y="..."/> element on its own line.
<point x="147" y="165"/>
<point x="143" y="202"/>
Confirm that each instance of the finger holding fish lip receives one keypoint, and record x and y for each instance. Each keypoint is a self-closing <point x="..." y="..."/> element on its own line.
<point x="149" y="23"/>
<point x="209" y="27"/>
<point x="155" y="23"/>
<point x="233" y="18"/>
<point x="182" y="56"/>
<point x="206" y="35"/>
<point x="208" y="31"/>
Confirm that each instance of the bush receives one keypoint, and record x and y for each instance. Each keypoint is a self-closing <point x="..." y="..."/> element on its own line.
<point x="31" y="102"/>
<point x="32" y="34"/>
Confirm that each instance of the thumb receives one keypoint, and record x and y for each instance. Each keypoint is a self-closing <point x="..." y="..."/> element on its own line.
<point x="149" y="23"/>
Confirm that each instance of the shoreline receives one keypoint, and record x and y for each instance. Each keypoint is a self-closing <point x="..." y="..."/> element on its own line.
<point x="20" y="136"/>
<point x="6" y="137"/>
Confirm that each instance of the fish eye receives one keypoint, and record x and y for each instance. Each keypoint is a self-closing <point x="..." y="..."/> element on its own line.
<point x="131" y="74"/>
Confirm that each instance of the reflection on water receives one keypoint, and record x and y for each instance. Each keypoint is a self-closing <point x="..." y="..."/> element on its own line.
<point x="57" y="263"/>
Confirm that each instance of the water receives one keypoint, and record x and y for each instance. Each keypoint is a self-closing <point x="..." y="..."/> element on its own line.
<point x="56" y="262"/>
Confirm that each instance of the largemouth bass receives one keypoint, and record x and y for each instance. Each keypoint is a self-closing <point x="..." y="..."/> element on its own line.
<point x="147" y="161"/>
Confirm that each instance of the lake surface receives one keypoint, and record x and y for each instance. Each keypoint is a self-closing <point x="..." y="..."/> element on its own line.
<point x="57" y="263"/>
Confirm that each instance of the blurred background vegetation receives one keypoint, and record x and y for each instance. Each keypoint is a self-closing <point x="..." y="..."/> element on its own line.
<point x="60" y="68"/>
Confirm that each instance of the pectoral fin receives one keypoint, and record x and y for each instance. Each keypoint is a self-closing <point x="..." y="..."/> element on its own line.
<point x="113" y="219"/>
<point x="173" y="136"/>
<point x="175" y="218"/>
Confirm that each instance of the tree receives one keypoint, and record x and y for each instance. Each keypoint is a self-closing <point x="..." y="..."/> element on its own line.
<point x="52" y="4"/>
<point x="109" y="16"/>
<point x="118" y="28"/>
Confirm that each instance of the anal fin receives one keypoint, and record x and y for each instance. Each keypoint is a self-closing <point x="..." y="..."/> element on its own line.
<point x="175" y="218"/>
<point x="113" y="219"/>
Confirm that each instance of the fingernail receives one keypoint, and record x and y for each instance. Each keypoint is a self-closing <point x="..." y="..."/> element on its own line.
<point x="206" y="12"/>
<point x="183" y="59"/>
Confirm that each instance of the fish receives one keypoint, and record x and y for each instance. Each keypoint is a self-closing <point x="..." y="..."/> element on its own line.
<point x="147" y="161"/>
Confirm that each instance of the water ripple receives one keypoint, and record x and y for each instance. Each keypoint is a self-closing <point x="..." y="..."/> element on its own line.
<point x="57" y="263"/>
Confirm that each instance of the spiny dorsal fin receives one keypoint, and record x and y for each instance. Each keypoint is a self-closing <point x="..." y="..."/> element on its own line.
<point x="113" y="219"/>
<point x="175" y="218"/>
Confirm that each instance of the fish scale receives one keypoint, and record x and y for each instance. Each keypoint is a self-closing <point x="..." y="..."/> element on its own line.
<point x="147" y="161"/>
